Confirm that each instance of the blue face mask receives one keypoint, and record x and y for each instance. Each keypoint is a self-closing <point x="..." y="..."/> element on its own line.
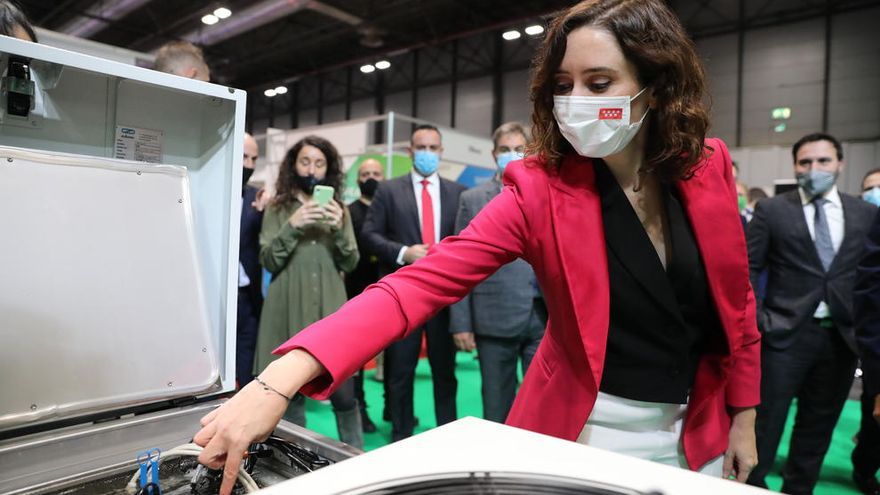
<point x="503" y="159"/>
<point x="426" y="162"/>
<point x="872" y="196"/>
<point x="816" y="182"/>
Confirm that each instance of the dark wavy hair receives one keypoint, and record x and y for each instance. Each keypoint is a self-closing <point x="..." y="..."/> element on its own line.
<point x="12" y="16"/>
<point x="653" y="40"/>
<point x="286" y="188"/>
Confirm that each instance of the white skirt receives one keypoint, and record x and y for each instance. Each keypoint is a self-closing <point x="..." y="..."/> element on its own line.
<point x="647" y="430"/>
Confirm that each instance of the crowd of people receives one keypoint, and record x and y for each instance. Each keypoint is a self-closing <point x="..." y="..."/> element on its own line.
<point x="612" y="257"/>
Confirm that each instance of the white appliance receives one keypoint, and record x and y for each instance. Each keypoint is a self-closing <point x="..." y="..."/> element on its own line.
<point x="480" y="457"/>
<point x="120" y="198"/>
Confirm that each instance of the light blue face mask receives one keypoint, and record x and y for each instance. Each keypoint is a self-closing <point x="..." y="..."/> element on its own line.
<point x="816" y="182"/>
<point x="872" y="196"/>
<point x="425" y="162"/>
<point x="502" y="159"/>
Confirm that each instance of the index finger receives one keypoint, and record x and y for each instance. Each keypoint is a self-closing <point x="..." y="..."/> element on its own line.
<point x="230" y="470"/>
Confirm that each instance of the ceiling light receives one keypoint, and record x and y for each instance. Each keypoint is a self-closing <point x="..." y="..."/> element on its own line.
<point x="366" y="69"/>
<point x="270" y="92"/>
<point x="511" y="35"/>
<point x="780" y="127"/>
<point x="383" y="64"/>
<point x="210" y="19"/>
<point x="222" y="12"/>
<point x="281" y="90"/>
<point x="534" y="30"/>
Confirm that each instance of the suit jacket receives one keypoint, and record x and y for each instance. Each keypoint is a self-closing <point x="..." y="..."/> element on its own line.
<point x="249" y="244"/>
<point x="779" y="241"/>
<point x="367" y="270"/>
<point x="552" y="218"/>
<point x="393" y="220"/>
<point x="502" y="304"/>
<point x="866" y="302"/>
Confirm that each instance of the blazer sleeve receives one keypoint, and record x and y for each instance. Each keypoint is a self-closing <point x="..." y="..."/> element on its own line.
<point x="866" y="302"/>
<point x="375" y="231"/>
<point x="744" y="383"/>
<point x="460" y="312"/>
<point x="403" y="301"/>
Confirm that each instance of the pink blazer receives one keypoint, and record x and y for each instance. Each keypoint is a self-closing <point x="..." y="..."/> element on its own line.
<point x="553" y="220"/>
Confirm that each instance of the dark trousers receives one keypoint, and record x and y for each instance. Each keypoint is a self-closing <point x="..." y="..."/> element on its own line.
<point x="248" y="322"/>
<point x="343" y="400"/>
<point x="817" y="369"/>
<point x="401" y="359"/>
<point x="866" y="455"/>
<point x="499" y="357"/>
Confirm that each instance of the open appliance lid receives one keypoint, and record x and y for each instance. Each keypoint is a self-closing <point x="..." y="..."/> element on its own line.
<point x="102" y="299"/>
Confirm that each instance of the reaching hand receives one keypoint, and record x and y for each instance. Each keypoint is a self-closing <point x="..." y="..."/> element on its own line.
<point x="252" y="414"/>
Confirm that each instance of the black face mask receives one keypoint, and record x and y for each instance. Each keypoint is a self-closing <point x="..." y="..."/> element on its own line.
<point x="368" y="187"/>
<point x="246" y="174"/>
<point x="306" y="183"/>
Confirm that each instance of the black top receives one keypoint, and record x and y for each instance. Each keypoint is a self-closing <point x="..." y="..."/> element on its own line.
<point x="367" y="270"/>
<point x="660" y="320"/>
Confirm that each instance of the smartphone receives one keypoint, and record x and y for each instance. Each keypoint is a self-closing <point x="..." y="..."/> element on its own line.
<point x="322" y="194"/>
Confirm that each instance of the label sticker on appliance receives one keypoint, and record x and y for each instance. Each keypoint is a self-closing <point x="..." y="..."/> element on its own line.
<point x="137" y="144"/>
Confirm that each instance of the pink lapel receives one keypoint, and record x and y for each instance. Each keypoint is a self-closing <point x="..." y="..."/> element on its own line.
<point x="580" y="240"/>
<point x="718" y="230"/>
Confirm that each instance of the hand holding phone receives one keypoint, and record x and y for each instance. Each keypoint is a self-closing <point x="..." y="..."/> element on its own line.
<point x="322" y="195"/>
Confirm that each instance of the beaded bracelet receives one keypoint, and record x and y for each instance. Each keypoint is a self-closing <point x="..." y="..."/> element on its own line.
<point x="270" y="388"/>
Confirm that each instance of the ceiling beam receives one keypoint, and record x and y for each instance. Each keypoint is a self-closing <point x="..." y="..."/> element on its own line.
<point x="99" y="16"/>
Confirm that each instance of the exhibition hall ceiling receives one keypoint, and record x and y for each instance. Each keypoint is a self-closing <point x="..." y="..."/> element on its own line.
<point x="250" y="43"/>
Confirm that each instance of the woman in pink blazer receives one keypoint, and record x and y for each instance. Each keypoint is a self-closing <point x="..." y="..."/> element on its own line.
<point x="628" y="215"/>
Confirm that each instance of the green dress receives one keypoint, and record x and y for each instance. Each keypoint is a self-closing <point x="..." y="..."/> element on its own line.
<point x="306" y="282"/>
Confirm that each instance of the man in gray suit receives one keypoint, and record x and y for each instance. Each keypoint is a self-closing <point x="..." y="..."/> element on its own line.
<point x="810" y="241"/>
<point x="504" y="317"/>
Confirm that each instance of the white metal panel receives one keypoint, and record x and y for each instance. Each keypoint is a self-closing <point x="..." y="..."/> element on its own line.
<point x="203" y="125"/>
<point x="472" y="447"/>
<point x="103" y="302"/>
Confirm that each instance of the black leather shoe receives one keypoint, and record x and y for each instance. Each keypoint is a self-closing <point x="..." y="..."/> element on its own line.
<point x="866" y="484"/>
<point x="367" y="424"/>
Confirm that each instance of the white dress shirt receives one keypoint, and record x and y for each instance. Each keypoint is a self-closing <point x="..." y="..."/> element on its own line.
<point x="834" y="215"/>
<point x="434" y="191"/>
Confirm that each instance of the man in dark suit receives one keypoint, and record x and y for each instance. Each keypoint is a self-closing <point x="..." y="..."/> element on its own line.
<point x="809" y="240"/>
<point x="408" y="215"/>
<point x="866" y="302"/>
<point x="503" y="318"/>
<point x="250" y="297"/>
<point x="370" y="173"/>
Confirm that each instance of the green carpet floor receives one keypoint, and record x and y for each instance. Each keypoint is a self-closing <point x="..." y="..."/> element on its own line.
<point x="836" y="472"/>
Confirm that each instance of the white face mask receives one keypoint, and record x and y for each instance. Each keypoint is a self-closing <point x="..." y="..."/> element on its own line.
<point x="596" y="126"/>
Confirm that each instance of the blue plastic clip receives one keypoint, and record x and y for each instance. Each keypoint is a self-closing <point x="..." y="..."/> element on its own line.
<point x="149" y="462"/>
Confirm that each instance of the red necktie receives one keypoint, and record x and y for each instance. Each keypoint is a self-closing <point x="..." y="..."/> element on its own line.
<point x="427" y="216"/>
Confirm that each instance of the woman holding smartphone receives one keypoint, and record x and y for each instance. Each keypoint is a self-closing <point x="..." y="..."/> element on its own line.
<point x="306" y="241"/>
<point x="627" y="212"/>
